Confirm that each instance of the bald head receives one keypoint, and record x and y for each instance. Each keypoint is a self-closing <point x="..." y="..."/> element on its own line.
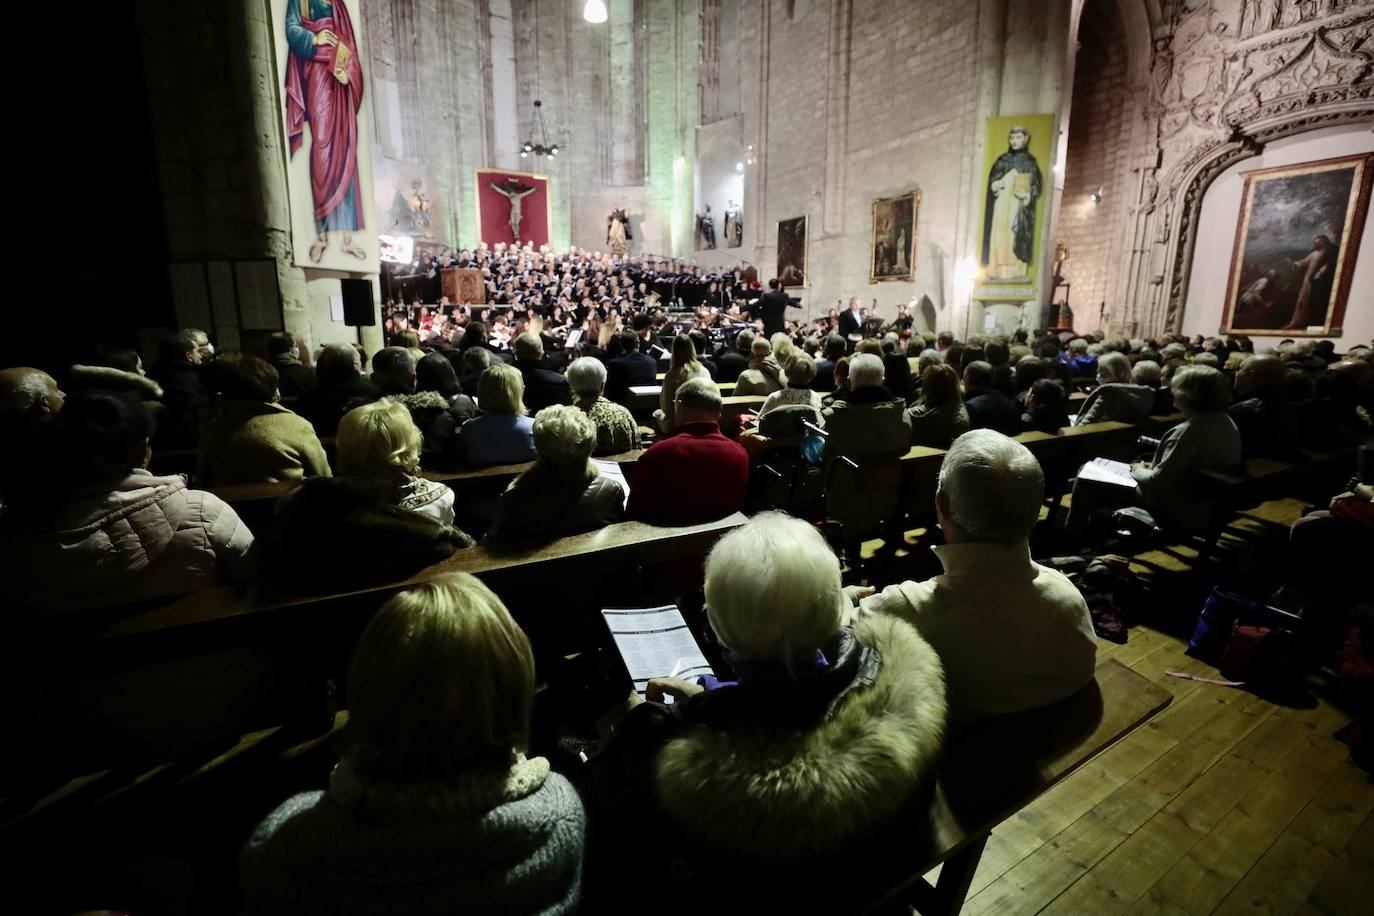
<point x="26" y="392"/>
<point x="1258" y="372"/>
<point x="1353" y="370"/>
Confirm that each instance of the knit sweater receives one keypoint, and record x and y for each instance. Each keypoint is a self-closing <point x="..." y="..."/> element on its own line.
<point x="506" y="842"/>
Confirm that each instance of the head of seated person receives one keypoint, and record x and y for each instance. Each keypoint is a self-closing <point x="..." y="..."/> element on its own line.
<point x="989" y="491"/>
<point x="338" y="364"/>
<point x="434" y="796"/>
<point x="435" y="373"/>
<point x="940" y="386"/>
<point x="245" y="378"/>
<point x="378" y="442"/>
<point x="828" y="730"/>
<point x="563" y="493"/>
<point x="800" y="371"/>
<point x="1029" y="370"/>
<point x="979" y="378"/>
<point x="393" y="370"/>
<point x="587" y="379"/>
<point x="529" y="348"/>
<point x="1199" y="390"/>
<point x="697" y="400"/>
<point x="1147" y="372"/>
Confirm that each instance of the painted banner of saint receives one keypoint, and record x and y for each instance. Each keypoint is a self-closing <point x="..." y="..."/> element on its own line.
<point x="324" y="88"/>
<point x="1013" y="191"/>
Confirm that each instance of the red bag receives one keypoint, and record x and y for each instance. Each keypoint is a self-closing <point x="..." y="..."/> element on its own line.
<point x="1255" y="654"/>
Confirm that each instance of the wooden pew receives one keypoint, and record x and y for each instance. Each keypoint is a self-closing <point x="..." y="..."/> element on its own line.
<point x="994" y="768"/>
<point x="254" y="502"/>
<point x="282" y="653"/>
<point x="644" y="398"/>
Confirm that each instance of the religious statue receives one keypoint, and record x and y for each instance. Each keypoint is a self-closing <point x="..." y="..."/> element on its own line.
<point x="514" y="191"/>
<point x="1013" y="189"/>
<point x="706" y="225"/>
<point x="324" y="85"/>
<point x="734" y="226"/>
<point x="618" y="235"/>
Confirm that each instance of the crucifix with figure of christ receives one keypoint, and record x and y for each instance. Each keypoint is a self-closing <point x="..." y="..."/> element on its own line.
<point x="513" y="191"/>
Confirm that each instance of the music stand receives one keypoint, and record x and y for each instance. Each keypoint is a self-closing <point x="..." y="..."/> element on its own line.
<point x="871" y="327"/>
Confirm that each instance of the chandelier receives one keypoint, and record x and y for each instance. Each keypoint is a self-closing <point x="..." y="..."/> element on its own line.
<point x="542" y="147"/>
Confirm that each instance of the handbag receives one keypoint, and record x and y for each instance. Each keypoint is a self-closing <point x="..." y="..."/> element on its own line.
<point x="1222" y="611"/>
<point x="1255" y="654"/>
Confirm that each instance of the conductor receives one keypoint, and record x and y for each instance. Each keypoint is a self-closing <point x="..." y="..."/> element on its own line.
<point x="851" y="321"/>
<point x="772" y="308"/>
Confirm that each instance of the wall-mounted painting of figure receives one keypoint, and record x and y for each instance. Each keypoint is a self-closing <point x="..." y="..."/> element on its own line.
<point x="1016" y="183"/>
<point x="1296" y="239"/>
<point x="792" y="251"/>
<point x="893" y="255"/>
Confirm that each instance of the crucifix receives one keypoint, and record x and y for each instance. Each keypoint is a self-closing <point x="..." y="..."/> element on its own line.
<point x="513" y="191"/>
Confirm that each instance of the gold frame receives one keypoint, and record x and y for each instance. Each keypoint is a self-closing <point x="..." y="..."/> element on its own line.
<point x="910" y="275"/>
<point x="477" y="173"/>
<point x="1347" y="249"/>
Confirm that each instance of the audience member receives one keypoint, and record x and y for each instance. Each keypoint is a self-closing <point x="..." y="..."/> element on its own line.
<point x="379" y="453"/>
<point x="993" y="602"/>
<point x="764" y="375"/>
<point x="1117" y="397"/>
<point x="736" y="361"/>
<point x="1268" y="423"/>
<point x="819" y="742"/>
<point x="868" y="425"/>
<point x="563" y="493"/>
<point x="616" y="430"/>
<point x="109" y="533"/>
<point x="695" y="475"/>
<point x="339" y="387"/>
<point x="180" y="358"/>
<point x="987" y="407"/>
<point x="543" y="386"/>
<point x="255" y="439"/>
<point x="475" y="362"/>
<point x="632" y="369"/>
<point x="284" y="354"/>
<point x="1046" y="407"/>
<point x="501" y="433"/>
<point x="801" y="372"/>
<point x="684" y="366"/>
<point x="434" y="805"/>
<point x="833" y="351"/>
<point x="120" y="369"/>
<point x="939" y="416"/>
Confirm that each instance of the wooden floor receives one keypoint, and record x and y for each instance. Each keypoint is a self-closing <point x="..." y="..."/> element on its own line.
<point x="1224" y="803"/>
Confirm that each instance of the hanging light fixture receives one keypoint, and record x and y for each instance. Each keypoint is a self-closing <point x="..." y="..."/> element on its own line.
<point x="594" y="12"/>
<point x="539" y="146"/>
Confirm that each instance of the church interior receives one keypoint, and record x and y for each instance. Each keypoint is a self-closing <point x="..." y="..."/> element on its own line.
<point x="656" y="456"/>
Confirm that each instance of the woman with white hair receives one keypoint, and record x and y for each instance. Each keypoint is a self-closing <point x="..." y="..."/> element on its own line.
<point x="616" y="430"/>
<point x="378" y="450"/>
<point x="870" y="423"/>
<point x="563" y="493"/>
<point x="1116" y="397"/>
<point x="434" y="807"/>
<point x="820" y="737"/>
<point x="764" y="375"/>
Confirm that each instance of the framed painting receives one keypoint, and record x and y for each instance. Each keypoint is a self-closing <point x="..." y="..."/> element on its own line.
<point x="1296" y="239"/>
<point x="893" y="254"/>
<point x="1017" y="187"/>
<point x="792" y="251"/>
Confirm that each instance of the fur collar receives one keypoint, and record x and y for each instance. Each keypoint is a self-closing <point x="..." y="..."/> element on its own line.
<point x="114" y="379"/>
<point x="786" y="794"/>
<point x="471" y="795"/>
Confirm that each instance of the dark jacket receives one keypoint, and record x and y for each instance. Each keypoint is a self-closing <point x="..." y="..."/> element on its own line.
<point x="543" y="387"/>
<point x="730" y="365"/>
<point x="993" y="410"/>
<point x="1269" y="425"/>
<point x="1121" y="401"/>
<point x="332" y="535"/>
<point x="627" y="371"/>
<point x="772" y="310"/>
<point x="295" y="378"/>
<point x="438" y="419"/>
<point x="325" y="405"/>
<point x="825" y="376"/>
<point x="543" y="504"/>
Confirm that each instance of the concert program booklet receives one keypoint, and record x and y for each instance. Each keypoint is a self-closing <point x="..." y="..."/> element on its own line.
<point x="655" y="642"/>
<point x="1105" y="470"/>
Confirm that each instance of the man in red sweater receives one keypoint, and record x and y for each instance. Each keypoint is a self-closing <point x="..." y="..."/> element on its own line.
<point x="695" y="475"/>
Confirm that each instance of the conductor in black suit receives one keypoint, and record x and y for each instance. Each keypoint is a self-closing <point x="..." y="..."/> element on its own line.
<point x="772" y="308"/>
<point x="851" y="321"/>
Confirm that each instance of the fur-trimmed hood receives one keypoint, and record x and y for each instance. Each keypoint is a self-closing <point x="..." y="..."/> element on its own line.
<point x="111" y="379"/>
<point x="773" y="794"/>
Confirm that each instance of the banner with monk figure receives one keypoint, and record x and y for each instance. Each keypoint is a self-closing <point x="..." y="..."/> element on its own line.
<point x="327" y="114"/>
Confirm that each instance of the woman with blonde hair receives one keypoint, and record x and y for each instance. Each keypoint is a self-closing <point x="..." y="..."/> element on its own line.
<point x="684" y="366"/>
<point x="563" y="493"/>
<point x="434" y="807"/>
<point x="378" y="448"/>
<point x="501" y="433"/>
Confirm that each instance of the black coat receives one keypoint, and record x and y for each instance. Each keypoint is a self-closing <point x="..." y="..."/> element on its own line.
<point x="772" y="309"/>
<point x="850" y="323"/>
<point x="543" y="387"/>
<point x="994" y="410"/>
<point x="627" y="371"/>
<point x="730" y="365"/>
